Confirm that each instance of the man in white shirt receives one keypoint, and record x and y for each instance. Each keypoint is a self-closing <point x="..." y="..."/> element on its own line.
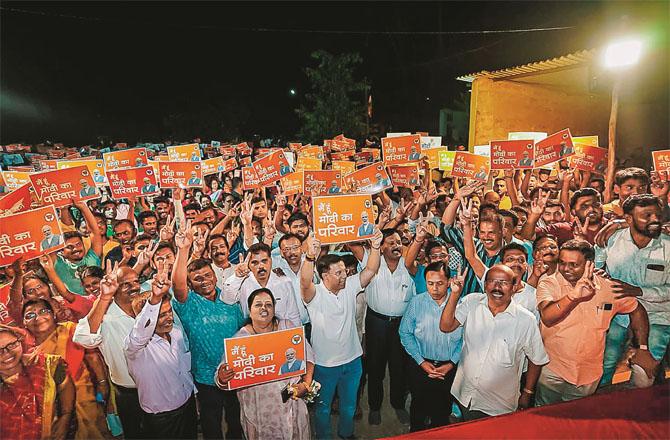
<point x="106" y="326"/>
<point x="332" y="310"/>
<point x="159" y="360"/>
<point x="217" y="246"/>
<point x="498" y="335"/>
<point x="256" y="272"/>
<point x="388" y="295"/>
<point x="289" y="263"/>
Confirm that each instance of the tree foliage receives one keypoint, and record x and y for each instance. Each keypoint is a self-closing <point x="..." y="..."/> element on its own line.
<point x="335" y="101"/>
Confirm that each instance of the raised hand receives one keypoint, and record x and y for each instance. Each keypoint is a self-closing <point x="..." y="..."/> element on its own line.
<point x="247" y="214"/>
<point x="161" y="281"/>
<point x="184" y="237"/>
<point x="376" y="239"/>
<point x="384" y="216"/>
<point x="167" y="231"/>
<point x="538" y="204"/>
<point x="539" y="268"/>
<point x="465" y="214"/>
<point x="580" y="229"/>
<point x="585" y="287"/>
<point x="469" y="188"/>
<point x="242" y="269"/>
<point x="47" y="263"/>
<point x="145" y="256"/>
<point x="660" y="184"/>
<point x="110" y="282"/>
<point x="457" y="282"/>
<point x="313" y="246"/>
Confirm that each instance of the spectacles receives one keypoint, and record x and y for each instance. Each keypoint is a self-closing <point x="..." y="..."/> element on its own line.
<point x="547" y="246"/>
<point x="32" y="315"/>
<point x="503" y="283"/>
<point x="9" y="347"/>
<point x="437" y="256"/>
<point x="290" y="248"/>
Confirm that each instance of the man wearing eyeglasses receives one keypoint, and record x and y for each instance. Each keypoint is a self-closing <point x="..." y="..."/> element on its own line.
<point x="498" y="335"/>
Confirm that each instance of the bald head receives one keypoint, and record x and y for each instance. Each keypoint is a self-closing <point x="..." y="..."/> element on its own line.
<point x="499" y="285"/>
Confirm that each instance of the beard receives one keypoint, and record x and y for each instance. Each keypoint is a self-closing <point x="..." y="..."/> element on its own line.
<point x="651" y="230"/>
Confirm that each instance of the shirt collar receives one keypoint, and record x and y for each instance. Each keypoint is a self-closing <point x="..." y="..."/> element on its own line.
<point x="654" y="243"/>
<point x="511" y="308"/>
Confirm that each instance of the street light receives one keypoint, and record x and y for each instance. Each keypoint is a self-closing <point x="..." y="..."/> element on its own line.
<point x="617" y="57"/>
<point x="292" y="92"/>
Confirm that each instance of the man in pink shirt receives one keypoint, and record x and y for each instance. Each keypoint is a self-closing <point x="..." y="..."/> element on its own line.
<point x="576" y="307"/>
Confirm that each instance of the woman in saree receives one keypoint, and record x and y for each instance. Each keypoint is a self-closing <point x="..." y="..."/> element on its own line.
<point x="262" y="412"/>
<point x="36" y="393"/>
<point x="85" y="367"/>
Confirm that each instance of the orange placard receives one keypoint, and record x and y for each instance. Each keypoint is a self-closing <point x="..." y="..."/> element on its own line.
<point x="344" y="166"/>
<point x="60" y="187"/>
<point x="293" y="183"/>
<point x="244" y="149"/>
<point x="213" y="165"/>
<point x="265" y="357"/>
<point x="95" y="166"/>
<point x="406" y="176"/>
<point x="294" y="146"/>
<point x="308" y="163"/>
<point x="249" y="178"/>
<point x="370" y="179"/>
<point x="135" y="157"/>
<point x="245" y="161"/>
<point x="585" y="140"/>
<point x="471" y="166"/>
<point x="433" y="156"/>
<point x="375" y="152"/>
<point x="589" y="158"/>
<point x="337" y="145"/>
<point x="23" y="169"/>
<point x="272" y="167"/>
<point x="319" y="183"/>
<point x="227" y="151"/>
<point x="188" y="152"/>
<point x="554" y="148"/>
<point x="19" y="200"/>
<point x="48" y="164"/>
<point x="341" y="219"/>
<point x="661" y="160"/>
<point x="402" y="149"/>
<point x="512" y="155"/>
<point x="15" y="179"/>
<point x="128" y="183"/>
<point x="29" y="234"/>
<point x="315" y="152"/>
<point x="343" y="155"/>
<point x="175" y="174"/>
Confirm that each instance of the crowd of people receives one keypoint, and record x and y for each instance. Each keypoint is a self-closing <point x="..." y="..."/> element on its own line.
<point x="479" y="299"/>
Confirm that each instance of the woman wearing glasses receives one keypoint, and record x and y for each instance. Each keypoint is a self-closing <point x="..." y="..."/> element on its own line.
<point x="37" y="397"/>
<point x="84" y="367"/>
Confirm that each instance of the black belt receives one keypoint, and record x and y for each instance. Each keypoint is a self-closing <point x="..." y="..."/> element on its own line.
<point x="436" y="363"/>
<point x="384" y="317"/>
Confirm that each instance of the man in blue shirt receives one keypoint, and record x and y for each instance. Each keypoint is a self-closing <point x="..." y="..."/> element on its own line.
<point x="434" y="354"/>
<point x="207" y="321"/>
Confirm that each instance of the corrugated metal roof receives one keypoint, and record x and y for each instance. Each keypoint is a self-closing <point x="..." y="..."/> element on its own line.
<point x="566" y="61"/>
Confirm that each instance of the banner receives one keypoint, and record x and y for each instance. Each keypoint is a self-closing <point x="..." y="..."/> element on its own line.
<point x="15" y="179"/>
<point x="293" y="183"/>
<point x="175" y="174"/>
<point x="314" y="152"/>
<point x="402" y="149"/>
<point x="406" y="176"/>
<point x="19" y="200"/>
<point x="128" y="183"/>
<point x="319" y="183"/>
<point x="271" y="168"/>
<point x="308" y="163"/>
<point x="95" y="166"/>
<point x="29" y="234"/>
<point x="188" y="152"/>
<point x="482" y="150"/>
<point x="398" y="134"/>
<point x="428" y="142"/>
<point x="343" y="155"/>
<point x="343" y="166"/>
<point x="371" y="179"/>
<point x="433" y="156"/>
<point x="135" y="157"/>
<point x="589" y="158"/>
<point x="228" y="151"/>
<point x="48" y="164"/>
<point x="244" y="149"/>
<point x="60" y="187"/>
<point x="376" y="153"/>
<point x="294" y="146"/>
<point x="512" y="155"/>
<point x="554" y="148"/>
<point x="265" y="357"/>
<point x="213" y="165"/>
<point x="446" y="161"/>
<point x="249" y="178"/>
<point x="661" y="160"/>
<point x="341" y="219"/>
<point x="586" y="140"/>
<point x="471" y="166"/>
<point x="536" y="136"/>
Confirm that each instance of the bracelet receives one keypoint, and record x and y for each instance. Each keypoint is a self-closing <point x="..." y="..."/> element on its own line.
<point x="420" y="242"/>
<point x="527" y="391"/>
<point x="310" y="259"/>
<point x="375" y="248"/>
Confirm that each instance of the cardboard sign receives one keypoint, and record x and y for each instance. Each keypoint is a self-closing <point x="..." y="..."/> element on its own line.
<point x="342" y="219"/>
<point x="315" y="152"/>
<point x="337" y="145"/>
<point x="376" y="153"/>
<point x="471" y="166"/>
<point x="343" y="155"/>
<point x="554" y="148"/>
<point x="661" y="160"/>
<point x="249" y="178"/>
<point x="536" y="136"/>
<point x="482" y="150"/>
<point x="319" y="183"/>
<point x="294" y="146"/>
<point x="512" y="155"/>
<point x="15" y="179"/>
<point x="405" y="176"/>
<point x="60" y="187"/>
<point x="446" y="161"/>
<point x="29" y="234"/>
<point x="19" y="200"/>
<point x="589" y="158"/>
<point x="428" y="142"/>
<point x="586" y="140"/>
<point x="5" y="317"/>
<point x="23" y="169"/>
<point x="95" y="166"/>
<point x="175" y="174"/>
<point x="135" y="157"/>
<point x="213" y="165"/>
<point x="370" y="179"/>
<point x="245" y="161"/>
<point x="243" y="149"/>
<point x="265" y="357"/>
<point x="344" y="166"/>
<point x="308" y="163"/>
<point x="293" y="183"/>
<point x="48" y="164"/>
<point x="189" y="152"/>
<point x="271" y="168"/>
<point x="401" y="150"/>
<point x="433" y="156"/>
<point x="128" y="183"/>
<point x="398" y="134"/>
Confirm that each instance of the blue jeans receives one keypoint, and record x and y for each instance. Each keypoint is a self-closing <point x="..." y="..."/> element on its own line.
<point x="345" y="378"/>
<point x="659" y="337"/>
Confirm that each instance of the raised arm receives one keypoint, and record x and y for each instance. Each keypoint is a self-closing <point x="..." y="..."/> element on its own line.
<point x="566" y="177"/>
<point x="183" y="240"/>
<point x="553" y="312"/>
<point x="466" y="190"/>
<point x="374" y="259"/>
<point x="92" y="224"/>
<point x="525" y="184"/>
<point x="510" y="182"/>
<point x="416" y="245"/>
<point x="448" y="321"/>
<point x="536" y="209"/>
<point x="108" y="287"/>
<point x="307" y="288"/>
<point x="280" y="200"/>
<point x="475" y="262"/>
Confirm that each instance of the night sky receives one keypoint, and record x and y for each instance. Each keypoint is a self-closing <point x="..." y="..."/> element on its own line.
<point x="73" y="71"/>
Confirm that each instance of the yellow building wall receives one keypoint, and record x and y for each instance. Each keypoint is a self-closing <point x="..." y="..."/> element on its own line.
<point x="538" y="102"/>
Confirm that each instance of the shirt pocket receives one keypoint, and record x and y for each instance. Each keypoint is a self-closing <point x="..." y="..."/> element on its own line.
<point x="504" y="353"/>
<point x="655" y="277"/>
